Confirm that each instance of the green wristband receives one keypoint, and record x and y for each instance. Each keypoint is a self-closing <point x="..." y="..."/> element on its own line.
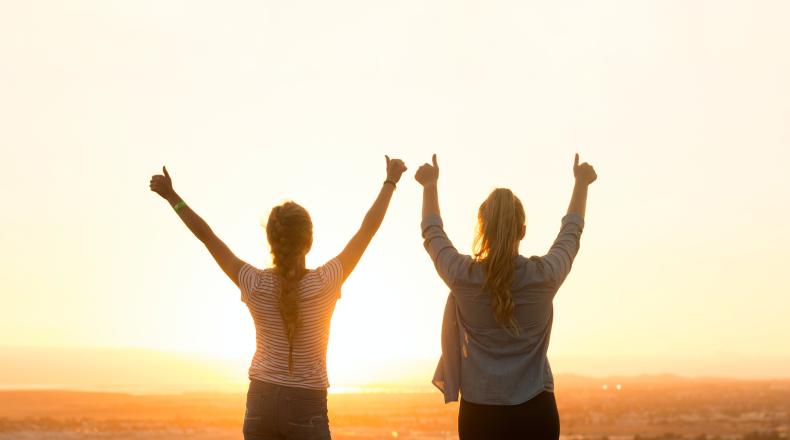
<point x="179" y="205"/>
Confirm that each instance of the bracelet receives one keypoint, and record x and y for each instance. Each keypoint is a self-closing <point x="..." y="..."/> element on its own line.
<point x="179" y="205"/>
<point x="392" y="182"/>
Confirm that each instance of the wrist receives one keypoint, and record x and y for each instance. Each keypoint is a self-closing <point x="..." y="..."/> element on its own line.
<point x="428" y="185"/>
<point x="172" y="198"/>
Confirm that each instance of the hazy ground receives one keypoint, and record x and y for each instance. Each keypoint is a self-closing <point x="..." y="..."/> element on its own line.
<point x="663" y="407"/>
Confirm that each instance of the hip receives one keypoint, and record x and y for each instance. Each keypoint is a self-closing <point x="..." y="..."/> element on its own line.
<point x="536" y="418"/>
<point x="278" y="412"/>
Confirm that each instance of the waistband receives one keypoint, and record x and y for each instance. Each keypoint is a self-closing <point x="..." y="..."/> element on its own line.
<point x="262" y="387"/>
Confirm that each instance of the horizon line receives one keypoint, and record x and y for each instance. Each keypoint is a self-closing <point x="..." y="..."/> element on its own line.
<point x="374" y="388"/>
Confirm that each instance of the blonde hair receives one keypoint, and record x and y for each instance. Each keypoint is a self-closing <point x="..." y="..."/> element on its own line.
<point x="289" y="231"/>
<point x="499" y="222"/>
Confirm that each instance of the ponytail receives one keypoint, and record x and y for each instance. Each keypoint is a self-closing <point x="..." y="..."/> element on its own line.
<point x="500" y="219"/>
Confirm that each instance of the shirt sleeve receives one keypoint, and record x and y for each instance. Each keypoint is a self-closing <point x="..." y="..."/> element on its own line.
<point x="565" y="247"/>
<point x="248" y="278"/>
<point x="450" y="264"/>
<point x="332" y="276"/>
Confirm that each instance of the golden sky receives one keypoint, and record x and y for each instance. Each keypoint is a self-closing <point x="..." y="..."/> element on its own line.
<point x="683" y="108"/>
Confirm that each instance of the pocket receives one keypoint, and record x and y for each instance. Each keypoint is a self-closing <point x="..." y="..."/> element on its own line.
<point x="253" y="414"/>
<point x="307" y="418"/>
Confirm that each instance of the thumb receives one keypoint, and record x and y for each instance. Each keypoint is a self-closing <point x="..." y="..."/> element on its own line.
<point x="435" y="164"/>
<point x="388" y="160"/>
<point x="164" y="170"/>
<point x="576" y="161"/>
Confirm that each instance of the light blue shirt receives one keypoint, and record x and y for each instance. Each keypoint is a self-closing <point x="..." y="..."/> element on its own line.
<point x="480" y="358"/>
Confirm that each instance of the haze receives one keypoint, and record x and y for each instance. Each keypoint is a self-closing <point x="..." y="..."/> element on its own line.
<point x="681" y="106"/>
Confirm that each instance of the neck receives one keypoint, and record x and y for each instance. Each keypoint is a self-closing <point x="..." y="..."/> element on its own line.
<point x="299" y="268"/>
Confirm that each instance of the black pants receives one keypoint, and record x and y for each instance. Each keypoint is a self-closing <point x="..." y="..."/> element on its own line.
<point x="535" y="419"/>
<point x="276" y="412"/>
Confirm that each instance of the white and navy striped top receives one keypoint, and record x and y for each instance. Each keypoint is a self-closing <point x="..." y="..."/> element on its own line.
<point x="319" y="289"/>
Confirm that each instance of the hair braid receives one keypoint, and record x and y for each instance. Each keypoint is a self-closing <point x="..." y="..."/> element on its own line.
<point x="290" y="235"/>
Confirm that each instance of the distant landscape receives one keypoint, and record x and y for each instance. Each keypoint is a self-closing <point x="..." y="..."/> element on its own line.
<point x="648" y="407"/>
<point x="122" y="317"/>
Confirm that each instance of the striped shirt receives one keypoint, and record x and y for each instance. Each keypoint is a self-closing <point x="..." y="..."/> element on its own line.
<point x="319" y="289"/>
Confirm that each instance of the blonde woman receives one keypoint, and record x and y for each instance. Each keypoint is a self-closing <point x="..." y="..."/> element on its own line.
<point x="291" y="307"/>
<point x="498" y="317"/>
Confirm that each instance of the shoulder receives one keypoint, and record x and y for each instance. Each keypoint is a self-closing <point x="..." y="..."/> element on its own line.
<point x="533" y="264"/>
<point x="533" y="271"/>
<point x="251" y="277"/>
<point x="327" y="278"/>
<point x="248" y="274"/>
<point x="331" y="271"/>
<point x="470" y="271"/>
<point x="249" y="281"/>
<point x="534" y="259"/>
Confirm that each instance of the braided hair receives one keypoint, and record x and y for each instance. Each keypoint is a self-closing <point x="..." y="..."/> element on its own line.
<point x="289" y="231"/>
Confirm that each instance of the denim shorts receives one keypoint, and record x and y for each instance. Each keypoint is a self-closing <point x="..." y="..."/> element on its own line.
<point x="276" y="412"/>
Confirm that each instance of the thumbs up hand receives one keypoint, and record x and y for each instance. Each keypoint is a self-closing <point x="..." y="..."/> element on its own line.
<point x="428" y="174"/>
<point x="395" y="168"/>
<point x="584" y="173"/>
<point x="162" y="184"/>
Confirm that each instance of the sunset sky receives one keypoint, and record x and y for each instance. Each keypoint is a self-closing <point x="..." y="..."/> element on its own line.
<point x="683" y="107"/>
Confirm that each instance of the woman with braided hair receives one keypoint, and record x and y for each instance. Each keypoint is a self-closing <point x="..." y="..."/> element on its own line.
<point x="291" y="306"/>
<point x="498" y="316"/>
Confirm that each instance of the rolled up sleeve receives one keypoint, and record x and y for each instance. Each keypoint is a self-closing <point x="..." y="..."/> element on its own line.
<point x="566" y="246"/>
<point x="448" y="262"/>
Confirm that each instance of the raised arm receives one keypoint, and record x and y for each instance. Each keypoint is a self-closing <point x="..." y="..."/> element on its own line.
<point x="565" y="247"/>
<point x="449" y="263"/>
<point x="353" y="251"/>
<point x="162" y="184"/>
<point x="584" y="175"/>
<point x="428" y="176"/>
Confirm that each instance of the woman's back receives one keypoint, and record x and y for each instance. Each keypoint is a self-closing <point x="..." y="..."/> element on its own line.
<point x="318" y="292"/>
<point x="497" y="321"/>
<point x="495" y="365"/>
<point x="532" y="291"/>
<point x="291" y="307"/>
